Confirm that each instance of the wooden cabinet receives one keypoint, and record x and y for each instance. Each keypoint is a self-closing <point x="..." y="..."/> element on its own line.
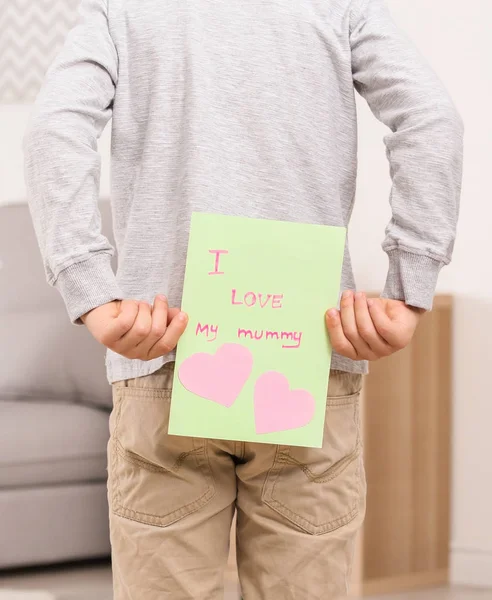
<point x="406" y="412"/>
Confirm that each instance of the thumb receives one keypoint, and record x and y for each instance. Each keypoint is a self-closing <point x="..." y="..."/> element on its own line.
<point x="171" y="313"/>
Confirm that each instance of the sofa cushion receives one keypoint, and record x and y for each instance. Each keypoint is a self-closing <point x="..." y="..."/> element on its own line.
<point x="54" y="524"/>
<point x="44" y="356"/>
<point x="51" y="443"/>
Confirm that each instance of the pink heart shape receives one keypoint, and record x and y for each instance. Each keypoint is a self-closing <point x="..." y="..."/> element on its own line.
<point x="219" y="377"/>
<point x="277" y="407"/>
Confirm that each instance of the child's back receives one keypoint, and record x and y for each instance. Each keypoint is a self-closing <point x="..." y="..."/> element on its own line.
<point x="242" y="108"/>
<point x="239" y="107"/>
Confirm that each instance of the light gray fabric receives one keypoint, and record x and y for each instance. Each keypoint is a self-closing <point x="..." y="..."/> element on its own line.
<point x="46" y="363"/>
<point x="21" y="263"/>
<point x="43" y="356"/>
<point x="60" y="362"/>
<point x="239" y="109"/>
<point x="53" y="524"/>
<point x="43" y="443"/>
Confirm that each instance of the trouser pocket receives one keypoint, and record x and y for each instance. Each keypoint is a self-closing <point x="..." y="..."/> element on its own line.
<point x="319" y="490"/>
<point x="154" y="478"/>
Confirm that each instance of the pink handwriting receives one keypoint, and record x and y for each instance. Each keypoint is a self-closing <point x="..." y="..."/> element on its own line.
<point x="277" y="301"/>
<point x="234" y="297"/>
<point x="207" y="331"/>
<point x="294" y="336"/>
<point x="251" y="299"/>
<point x="218" y="254"/>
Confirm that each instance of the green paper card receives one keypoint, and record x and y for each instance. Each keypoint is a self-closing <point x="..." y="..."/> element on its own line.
<point x="254" y="362"/>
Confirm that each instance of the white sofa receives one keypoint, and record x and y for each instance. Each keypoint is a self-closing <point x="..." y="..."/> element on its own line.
<point x="54" y="407"/>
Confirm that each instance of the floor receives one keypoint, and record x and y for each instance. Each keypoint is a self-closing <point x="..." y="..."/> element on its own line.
<point x="93" y="582"/>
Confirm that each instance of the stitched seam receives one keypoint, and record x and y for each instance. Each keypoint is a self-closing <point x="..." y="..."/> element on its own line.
<point x="336" y="470"/>
<point x="270" y="472"/>
<point x="126" y="512"/>
<point x="133" y="458"/>
<point x="152" y="394"/>
<point x="169" y="519"/>
<point x="328" y="475"/>
<point x="183" y="510"/>
<point x="73" y="261"/>
<point x="207" y="474"/>
<point x="342" y="400"/>
<point x="116" y="479"/>
<point x="426" y="254"/>
<point x="356" y="417"/>
<point x="318" y="527"/>
<point x="298" y="519"/>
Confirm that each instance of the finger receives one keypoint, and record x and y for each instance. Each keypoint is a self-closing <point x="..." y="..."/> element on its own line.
<point x="171" y="313"/>
<point x="120" y="324"/>
<point x="170" y="339"/>
<point x="337" y="336"/>
<point x="140" y="330"/>
<point x="349" y="324"/>
<point x="159" y="315"/>
<point x="366" y="327"/>
<point x="159" y="319"/>
<point x="162" y="316"/>
<point x="384" y="325"/>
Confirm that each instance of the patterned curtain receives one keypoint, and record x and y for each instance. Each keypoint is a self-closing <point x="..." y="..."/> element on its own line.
<point x="31" y="33"/>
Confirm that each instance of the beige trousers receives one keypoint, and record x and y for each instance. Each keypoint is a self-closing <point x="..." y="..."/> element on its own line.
<point x="172" y="502"/>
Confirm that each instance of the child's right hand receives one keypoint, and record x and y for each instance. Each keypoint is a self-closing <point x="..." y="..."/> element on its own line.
<point x="135" y="329"/>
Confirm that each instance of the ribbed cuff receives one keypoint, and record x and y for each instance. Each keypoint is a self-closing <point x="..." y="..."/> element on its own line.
<point x="412" y="278"/>
<point x="88" y="284"/>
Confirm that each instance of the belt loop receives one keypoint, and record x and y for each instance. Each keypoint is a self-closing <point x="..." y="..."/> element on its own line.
<point x="120" y="383"/>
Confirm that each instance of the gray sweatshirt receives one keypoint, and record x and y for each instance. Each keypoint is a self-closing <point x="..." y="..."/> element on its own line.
<point x="240" y="108"/>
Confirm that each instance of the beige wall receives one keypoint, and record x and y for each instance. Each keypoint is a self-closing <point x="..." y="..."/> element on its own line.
<point x="455" y="36"/>
<point x="471" y="547"/>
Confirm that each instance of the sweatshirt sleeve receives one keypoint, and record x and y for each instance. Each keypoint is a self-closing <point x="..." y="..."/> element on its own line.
<point x="424" y="149"/>
<point x="62" y="163"/>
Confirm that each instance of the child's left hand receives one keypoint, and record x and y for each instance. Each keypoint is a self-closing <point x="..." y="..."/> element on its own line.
<point x="371" y="328"/>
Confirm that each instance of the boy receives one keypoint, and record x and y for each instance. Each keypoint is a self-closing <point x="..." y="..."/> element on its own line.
<point x="240" y="108"/>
